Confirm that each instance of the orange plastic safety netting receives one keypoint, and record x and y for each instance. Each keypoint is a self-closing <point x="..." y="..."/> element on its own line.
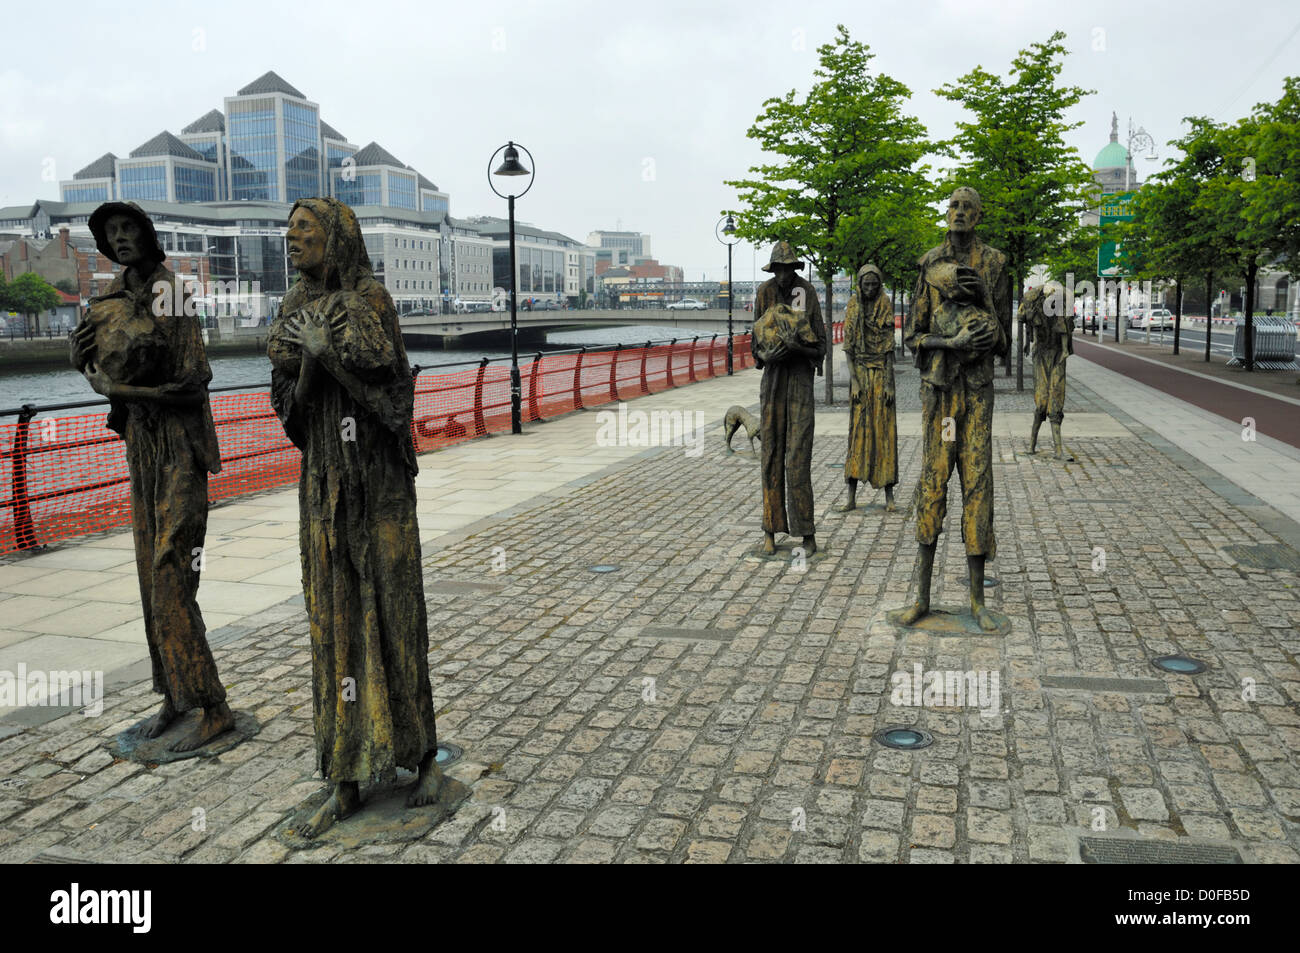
<point x="67" y="476"/>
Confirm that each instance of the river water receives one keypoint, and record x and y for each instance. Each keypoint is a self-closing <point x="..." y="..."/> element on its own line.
<point x="56" y="385"/>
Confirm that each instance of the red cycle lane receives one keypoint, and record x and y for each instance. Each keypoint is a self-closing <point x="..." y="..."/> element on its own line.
<point x="1278" y="419"/>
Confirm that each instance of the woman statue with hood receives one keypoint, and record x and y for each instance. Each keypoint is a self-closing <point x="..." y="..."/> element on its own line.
<point x="873" y="420"/>
<point x="342" y="388"/>
<point x="139" y="348"/>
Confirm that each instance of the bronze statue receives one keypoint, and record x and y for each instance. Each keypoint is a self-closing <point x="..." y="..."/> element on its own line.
<point x="1053" y="340"/>
<point x="960" y="320"/>
<point x="138" y="348"/>
<point x="873" y="420"/>
<point x="736" y="418"/>
<point x="788" y="343"/>
<point x="342" y="388"/>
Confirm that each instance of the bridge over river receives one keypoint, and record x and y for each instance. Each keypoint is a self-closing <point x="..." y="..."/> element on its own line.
<point x="484" y="326"/>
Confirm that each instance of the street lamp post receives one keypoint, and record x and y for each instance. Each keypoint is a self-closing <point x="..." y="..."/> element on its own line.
<point x="725" y="231"/>
<point x="1140" y="138"/>
<point x="511" y="166"/>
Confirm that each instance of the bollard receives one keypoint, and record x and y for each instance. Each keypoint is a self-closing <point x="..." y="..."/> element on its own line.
<point x="613" y="370"/>
<point x="577" y="380"/>
<point x="533" y="405"/>
<point x="645" y="353"/>
<point x="24" y="530"/>
<point x="480" y="427"/>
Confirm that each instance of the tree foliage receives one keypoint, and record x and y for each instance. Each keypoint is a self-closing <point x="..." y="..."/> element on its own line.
<point x="845" y="184"/>
<point x="1012" y="151"/>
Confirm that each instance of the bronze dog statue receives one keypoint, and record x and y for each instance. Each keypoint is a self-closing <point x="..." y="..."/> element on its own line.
<point x="738" y="417"/>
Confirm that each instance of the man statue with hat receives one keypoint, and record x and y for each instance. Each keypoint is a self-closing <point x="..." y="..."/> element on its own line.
<point x="960" y="320"/>
<point x="788" y="343"/>
<point x="139" y="348"/>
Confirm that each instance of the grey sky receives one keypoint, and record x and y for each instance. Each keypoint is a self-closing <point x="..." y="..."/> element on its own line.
<point x="635" y="114"/>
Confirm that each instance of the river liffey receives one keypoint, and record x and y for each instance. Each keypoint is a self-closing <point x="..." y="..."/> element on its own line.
<point x="59" y="385"/>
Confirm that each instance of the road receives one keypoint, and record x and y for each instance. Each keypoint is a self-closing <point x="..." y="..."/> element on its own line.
<point x="1274" y="415"/>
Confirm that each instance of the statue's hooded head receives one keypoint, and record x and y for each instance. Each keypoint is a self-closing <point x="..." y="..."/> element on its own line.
<point x="872" y="288"/>
<point x="326" y="245"/>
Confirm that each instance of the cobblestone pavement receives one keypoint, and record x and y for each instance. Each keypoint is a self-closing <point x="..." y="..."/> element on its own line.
<point x="701" y="704"/>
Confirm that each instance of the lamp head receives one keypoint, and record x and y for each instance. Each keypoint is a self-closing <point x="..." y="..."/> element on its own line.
<point x="511" y="164"/>
<point x="730" y="227"/>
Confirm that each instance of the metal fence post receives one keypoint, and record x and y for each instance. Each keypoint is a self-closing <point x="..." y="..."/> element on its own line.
<point x="613" y="368"/>
<point x="670" y="361"/>
<point x="577" y="380"/>
<point x="480" y="427"/>
<point x="691" y="366"/>
<point x="533" y="405"/>
<point x="645" y="354"/>
<point x="24" y="530"/>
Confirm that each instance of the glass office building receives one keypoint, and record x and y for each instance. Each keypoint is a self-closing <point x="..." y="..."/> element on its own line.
<point x="273" y="136"/>
<point x="146" y="181"/>
<point x="267" y="144"/>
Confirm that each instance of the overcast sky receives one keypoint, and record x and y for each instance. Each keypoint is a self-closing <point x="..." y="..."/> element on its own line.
<point x="635" y="113"/>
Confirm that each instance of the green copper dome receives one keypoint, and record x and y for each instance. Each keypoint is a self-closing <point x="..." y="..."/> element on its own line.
<point x="1112" y="156"/>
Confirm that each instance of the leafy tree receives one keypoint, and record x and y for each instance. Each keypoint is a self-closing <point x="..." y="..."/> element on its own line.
<point x="1034" y="187"/>
<point x="846" y="183"/>
<point x="1257" y="193"/>
<point x="1172" y="234"/>
<point x="28" y="294"/>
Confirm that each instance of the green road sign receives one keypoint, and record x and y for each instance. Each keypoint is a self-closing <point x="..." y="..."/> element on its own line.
<point x="1110" y="256"/>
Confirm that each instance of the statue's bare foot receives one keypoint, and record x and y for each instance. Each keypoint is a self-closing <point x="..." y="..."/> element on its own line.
<point x="428" y="783"/>
<point x="159" y="723"/>
<point x="914" y="613"/>
<point x="769" y="544"/>
<point x="216" y="720"/>
<point x="809" y="545"/>
<point x="343" y="801"/>
<point x="1059" y="454"/>
<point x="848" y="507"/>
<point x="890" y="505"/>
<point x="985" y="618"/>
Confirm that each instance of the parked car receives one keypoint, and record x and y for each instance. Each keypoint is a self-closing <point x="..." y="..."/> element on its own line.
<point x="688" y="304"/>
<point x="1157" y="318"/>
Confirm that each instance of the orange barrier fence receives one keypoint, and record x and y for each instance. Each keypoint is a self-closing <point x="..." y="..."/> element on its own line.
<point x="67" y="476"/>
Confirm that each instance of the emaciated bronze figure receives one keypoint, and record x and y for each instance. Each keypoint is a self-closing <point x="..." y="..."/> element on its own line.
<point x="1053" y="340"/>
<point x="960" y="320"/>
<point x="873" y="420"/>
<point x="788" y="359"/>
<point x="139" y="349"/>
<point x="342" y="387"/>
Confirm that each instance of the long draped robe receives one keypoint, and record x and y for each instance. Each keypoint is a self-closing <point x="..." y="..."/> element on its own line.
<point x="787" y="416"/>
<point x="873" y="419"/>
<point x="358" y="532"/>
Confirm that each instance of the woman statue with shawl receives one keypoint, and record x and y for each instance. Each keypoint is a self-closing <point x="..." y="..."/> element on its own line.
<point x="873" y="419"/>
<point x="342" y="388"/>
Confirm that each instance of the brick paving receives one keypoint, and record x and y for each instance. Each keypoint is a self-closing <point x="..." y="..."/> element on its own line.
<point x="700" y="704"/>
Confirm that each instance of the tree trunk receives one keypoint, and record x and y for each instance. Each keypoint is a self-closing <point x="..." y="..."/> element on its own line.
<point x="1251" y="270"/>
<point x="830" y="339"/>
<point x="1017" y="344"/>
<point x="1178" y="310"/>
<point x="1209" y="290"/>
